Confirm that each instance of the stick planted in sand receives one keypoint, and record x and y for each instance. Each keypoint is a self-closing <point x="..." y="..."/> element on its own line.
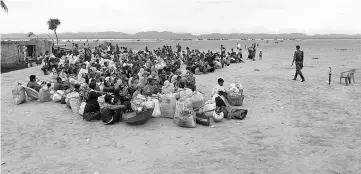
<point x="329" y="77"/>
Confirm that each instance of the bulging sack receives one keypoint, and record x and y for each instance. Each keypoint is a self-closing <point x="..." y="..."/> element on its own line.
<point x="73" y="100"/>
<point x="184" y="115"/>
<point x="75" y="105"/>
<point x="149" y="104"/>
<point x="236" y="88"/>
<point x="197" y="100"/>
<point x="44" y="95"/>
<point x="18" y="93"/>
<point x="217" y="117"/>
<point x="167" y="106"/>
<point x="57" y="95"/>
<point x="208" y="108"/>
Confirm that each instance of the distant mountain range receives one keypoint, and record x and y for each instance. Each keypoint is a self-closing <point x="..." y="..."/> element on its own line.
<point x="171" y="35"/>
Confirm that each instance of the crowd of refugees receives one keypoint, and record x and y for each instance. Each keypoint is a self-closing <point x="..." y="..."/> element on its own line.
<point x="122" y="74"/>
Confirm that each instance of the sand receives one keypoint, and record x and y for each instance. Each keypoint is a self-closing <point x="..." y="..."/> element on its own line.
<point x="291" y="127"/>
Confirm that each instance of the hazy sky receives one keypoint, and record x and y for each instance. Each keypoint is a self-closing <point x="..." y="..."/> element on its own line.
<point x="194" y="16"/>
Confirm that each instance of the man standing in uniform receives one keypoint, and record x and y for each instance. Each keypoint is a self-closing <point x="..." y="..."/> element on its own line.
<point x="298" y="58"/>
<point x="223" y="51"/>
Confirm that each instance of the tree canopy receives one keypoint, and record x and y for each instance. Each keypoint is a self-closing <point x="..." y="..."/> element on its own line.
<point x="53" y="24"/>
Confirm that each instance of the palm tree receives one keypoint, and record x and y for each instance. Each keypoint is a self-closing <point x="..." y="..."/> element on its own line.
<point x="3" y="6"/>
<point x="53" y="25"/>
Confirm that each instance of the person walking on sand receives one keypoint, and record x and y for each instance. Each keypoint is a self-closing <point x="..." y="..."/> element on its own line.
<point x="260" y="55"/>
<point x="298" y="58"/>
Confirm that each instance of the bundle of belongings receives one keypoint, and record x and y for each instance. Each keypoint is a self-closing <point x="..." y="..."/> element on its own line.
<point x="145" y="108"/>
<point x="19" y="94"/>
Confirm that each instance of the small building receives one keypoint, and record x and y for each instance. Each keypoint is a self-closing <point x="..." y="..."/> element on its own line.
<point x="15" y="52"/>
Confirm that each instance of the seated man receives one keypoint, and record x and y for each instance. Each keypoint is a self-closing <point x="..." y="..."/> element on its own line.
<point x="111" y="113"/>
<point x="219" y="91"/>
<point x="60" y="85"/>
<point x="220" y="97"/>
<point x="219" y="87"/>
<point x="33" y="84"/>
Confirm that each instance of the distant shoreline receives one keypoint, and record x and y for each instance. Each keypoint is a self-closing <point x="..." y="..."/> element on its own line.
<point x="151" y="40"/>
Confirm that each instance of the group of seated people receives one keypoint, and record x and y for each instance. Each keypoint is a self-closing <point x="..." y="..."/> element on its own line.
<point x="122" y="75"/>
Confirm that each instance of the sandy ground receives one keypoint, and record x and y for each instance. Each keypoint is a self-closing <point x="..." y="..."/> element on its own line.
<point x="292" y="127"/>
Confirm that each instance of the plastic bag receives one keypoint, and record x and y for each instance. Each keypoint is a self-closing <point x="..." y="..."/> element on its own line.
<point x="208" y="108"/>
<point x="156" y="111"/>
<point x="75" y="103"/>
<point x="57" y="95"/>
<point x="137" y="102"/>
<point x="149" y="104"/>
<point x="217" y="117"/>
<point x="167" y="106"/>
<point x="184" y="115"/>
<point x="239" y="87"/>
<point x="73" y="100"/>
<point x="82" y="108"/>
<point x="234" y="90"/>
<point x="182" y="105"/>
<point x="44" y="95"/>
<point x="101" y="100"/>
<point x="197" y="99"/>
<point x="18" y="93"/>
<point x="187" y="93"/>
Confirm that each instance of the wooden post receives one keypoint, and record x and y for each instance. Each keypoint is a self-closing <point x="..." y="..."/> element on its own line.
<point x="329" y="77"/>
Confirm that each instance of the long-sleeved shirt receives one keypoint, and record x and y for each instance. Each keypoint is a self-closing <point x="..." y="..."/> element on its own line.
<point x="217" y="88"/>
<point x="107" y="106"/>
<point x="34" y="85"/>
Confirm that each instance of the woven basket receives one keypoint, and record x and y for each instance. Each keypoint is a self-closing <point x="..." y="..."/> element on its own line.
<point x="235" y="100"/>
<point x="30" y="92"/>
<point x="138" y="118"/>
